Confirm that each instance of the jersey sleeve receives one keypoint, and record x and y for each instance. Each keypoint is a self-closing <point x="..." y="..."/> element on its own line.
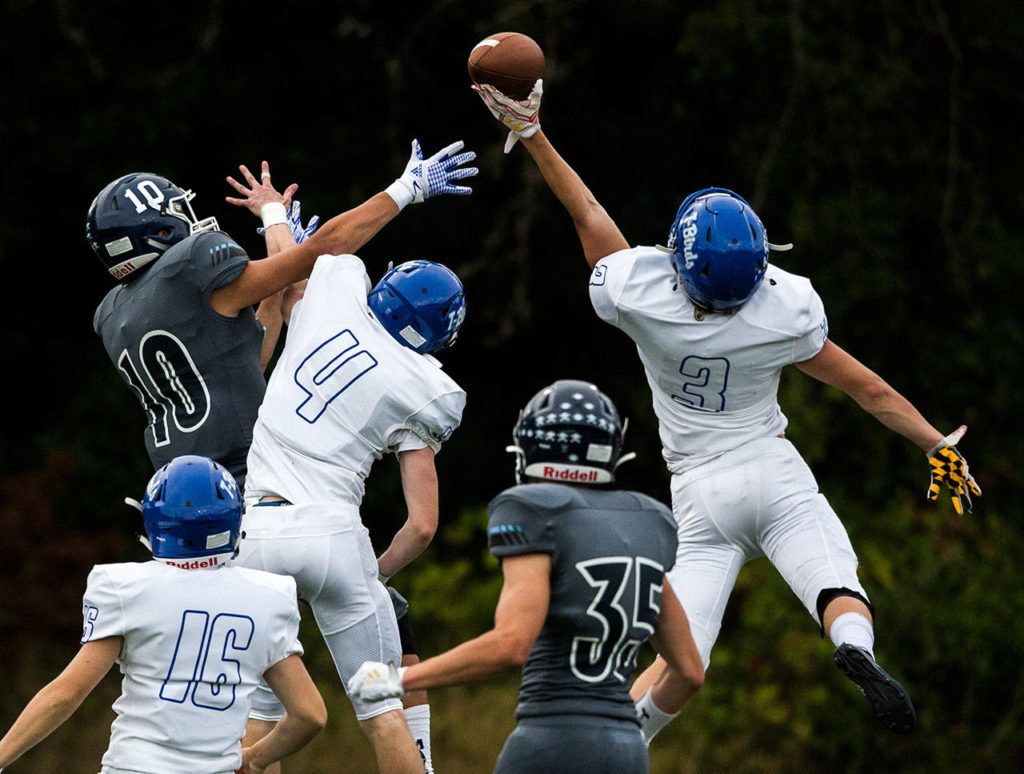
<point x="516" y="527"/>
<point x="214" y="260"/>
<point x="405" y="440"/>
<point x="608" y="281"/>
<point x="435" y="422"/>
<point x="813" y="328"/>
<point x="284" y="640"/>
<point x="102" y="608"/>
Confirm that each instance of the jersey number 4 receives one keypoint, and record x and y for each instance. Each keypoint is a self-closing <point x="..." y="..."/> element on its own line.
<point x="329" y="370"/>
<point x="202" y="665"/>
<point x="614" y="650"/>
<point x="168" y="384"/>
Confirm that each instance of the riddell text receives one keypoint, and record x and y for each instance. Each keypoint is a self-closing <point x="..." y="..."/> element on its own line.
<point x="194" y="564"/>
<point x="571" y="475"/>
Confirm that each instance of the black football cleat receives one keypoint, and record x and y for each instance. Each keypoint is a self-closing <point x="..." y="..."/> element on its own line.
<point x="890" y="702"/>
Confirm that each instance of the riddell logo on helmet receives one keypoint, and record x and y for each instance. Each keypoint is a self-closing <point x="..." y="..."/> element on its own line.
<point x="193" y="564"/>
<point x="122" y="269"/>
<point x="575" y="474"/>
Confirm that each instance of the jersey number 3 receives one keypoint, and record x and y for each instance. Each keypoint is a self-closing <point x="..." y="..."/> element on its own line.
<point x="706" y="380"/>
<point x="624" y="623"/>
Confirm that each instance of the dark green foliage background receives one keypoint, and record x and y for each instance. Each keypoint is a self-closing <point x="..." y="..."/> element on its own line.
<point x="883" y="139"/>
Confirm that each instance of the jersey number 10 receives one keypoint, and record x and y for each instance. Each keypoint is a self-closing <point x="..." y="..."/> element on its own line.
<point x="173" y="385"/>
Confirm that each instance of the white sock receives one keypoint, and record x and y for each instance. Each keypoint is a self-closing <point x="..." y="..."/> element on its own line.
<point x="652" y="719"/>
<point x="418" y="718"/>
<point x="855" y="629"/>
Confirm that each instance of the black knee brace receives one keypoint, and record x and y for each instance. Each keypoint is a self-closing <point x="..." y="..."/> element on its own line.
<point x="405" y="635"/>
<point x="827" y="595"/>
<point x="404" y="626"/>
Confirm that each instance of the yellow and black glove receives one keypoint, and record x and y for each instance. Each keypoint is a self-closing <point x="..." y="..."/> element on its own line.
<point x="949" y="469"/>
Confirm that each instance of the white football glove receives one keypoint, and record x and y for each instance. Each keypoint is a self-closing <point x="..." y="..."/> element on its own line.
<point x="294" y="222"/>
<point x="376" y="681"/>
<point x="521" y="117"/>
<point x="424" y="178"/>
<point x="300" y="232"/>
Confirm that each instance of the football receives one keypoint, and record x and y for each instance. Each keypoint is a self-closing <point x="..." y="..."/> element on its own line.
<point x="509" y="61"/>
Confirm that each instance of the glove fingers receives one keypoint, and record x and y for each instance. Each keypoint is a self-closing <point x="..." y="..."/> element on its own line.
<point x="457" y="190"/>
<point x="462" y="158"/>
<point x="458" y="174"/>
<point x="417" y="151"/>
<point x="444" y="153"/>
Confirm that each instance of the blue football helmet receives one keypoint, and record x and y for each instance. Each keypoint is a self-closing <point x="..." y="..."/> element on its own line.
<point x="569" y="432"/>
<point x="719" y="249"/>
<point x="421" y="304"/>
<point x="193" y="513"/>
<point x="126" y="216"/>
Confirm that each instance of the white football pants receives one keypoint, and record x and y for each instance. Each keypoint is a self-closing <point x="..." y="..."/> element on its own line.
<point x="758" y="500"/>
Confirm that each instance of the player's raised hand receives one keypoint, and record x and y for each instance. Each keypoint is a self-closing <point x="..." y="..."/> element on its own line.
<point x="949" y="469"/>
<point x="424" y="178"/>
<point x="259" y="192"/>
<point x="376" y="681"/>
<point x="521" y="117"/>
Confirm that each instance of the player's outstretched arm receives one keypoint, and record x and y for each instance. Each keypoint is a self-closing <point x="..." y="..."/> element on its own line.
<point x="349" y="231"/>
<point x="60" y="698"/>
<point x="419" y="485"/>
<point x="597" y="232"/>
<point x="835" y="367"/>
<point x="518" y="619"/>
<point x="949" y="469"/>
<point x="305" y="716"/>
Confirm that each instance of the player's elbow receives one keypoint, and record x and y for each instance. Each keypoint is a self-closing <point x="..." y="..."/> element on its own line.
<point x="63" y="696"/>
<point x="515" y="649"/>
<point x="312" y="716"/>
<point x="423" y="530"/>
<point x="693" y="676"/>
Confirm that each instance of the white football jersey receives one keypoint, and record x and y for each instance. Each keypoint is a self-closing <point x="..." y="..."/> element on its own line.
<point x="342" y="394"/>
<point x="715" y="380"/>
<point x="195" y="645"/>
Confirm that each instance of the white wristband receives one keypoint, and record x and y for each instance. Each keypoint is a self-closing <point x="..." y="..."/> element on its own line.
<point x="273" y="213"/>
<point x="400" y="192"/>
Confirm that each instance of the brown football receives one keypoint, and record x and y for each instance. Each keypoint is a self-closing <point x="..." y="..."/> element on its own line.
<point x="509" y="61"/>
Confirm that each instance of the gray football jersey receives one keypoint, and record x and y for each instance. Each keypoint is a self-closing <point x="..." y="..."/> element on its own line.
<point x="196" y="372"/>
<point x="609" y="553"/>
